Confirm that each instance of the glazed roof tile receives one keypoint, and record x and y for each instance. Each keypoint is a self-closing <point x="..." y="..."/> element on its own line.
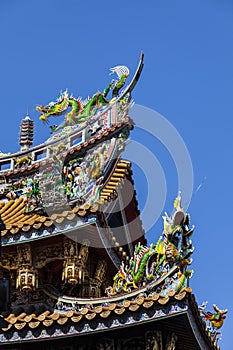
<point x="89" y="312"/>
<point x="42" y="315"/>
<point x="118" y="174"/>
<point x="16" y="219"/>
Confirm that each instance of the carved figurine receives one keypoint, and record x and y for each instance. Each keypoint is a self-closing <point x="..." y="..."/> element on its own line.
<point x="154" y="340"/>
<point x="171" y="342"/>
<point x="19" y="162"/>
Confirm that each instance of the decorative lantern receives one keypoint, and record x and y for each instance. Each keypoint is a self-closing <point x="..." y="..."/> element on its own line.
<point x="72" y="274"/>
<point x="27" y="278"/>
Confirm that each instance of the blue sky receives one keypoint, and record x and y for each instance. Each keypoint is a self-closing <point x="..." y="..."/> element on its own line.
<point x="48" y="46"/>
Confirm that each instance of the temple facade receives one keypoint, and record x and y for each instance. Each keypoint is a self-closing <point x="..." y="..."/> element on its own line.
<point x="76" y="271"/>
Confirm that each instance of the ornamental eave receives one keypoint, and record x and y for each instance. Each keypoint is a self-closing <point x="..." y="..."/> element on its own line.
<point x="172" y="313"/>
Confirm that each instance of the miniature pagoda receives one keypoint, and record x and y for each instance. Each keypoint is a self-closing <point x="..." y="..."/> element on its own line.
<point x="76" y="271"/>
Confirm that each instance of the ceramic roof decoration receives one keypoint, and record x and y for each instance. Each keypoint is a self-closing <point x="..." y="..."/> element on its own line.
<point x="81" y="111"/>
<point x="76" y="271"/>
<point x="215" y="320"/>
<point x="162" y="265"/>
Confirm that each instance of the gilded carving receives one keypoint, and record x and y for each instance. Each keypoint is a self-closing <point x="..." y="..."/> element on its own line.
<point x="9" y="261"/>
<point x="154" y="340"/>
<point x="70" y="248"/>
<point x="27" y="278"/>
<point x="83" y="254"/>
<point x="171" y="342"/>
<point x="100" y="270"/>
<point x="24" y="254"/>
<point x="74" y="269"/>
<point x="43" y="256"/>
<point x="19" y="162"/>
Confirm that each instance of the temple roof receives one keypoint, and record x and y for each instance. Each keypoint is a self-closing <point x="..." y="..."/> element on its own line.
<point x="36" y="314"/>
<point x="152" y="286"/>
<point x="32" y="322"/>
<point x="75" y="186"/>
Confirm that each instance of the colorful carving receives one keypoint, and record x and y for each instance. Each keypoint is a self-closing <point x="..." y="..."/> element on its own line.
<point x="33" y="199"/>
<point x="79" y="179"/>
<point x="82" y="110"/>
<point x="82" y="176"/>
<point x="27" y="188"/>
<point x="151" y="263"/>
<point x="4" y="188"/>
<point x="50" y="179"/>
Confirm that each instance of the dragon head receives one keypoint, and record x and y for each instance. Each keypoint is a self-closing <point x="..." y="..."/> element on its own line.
<point x="54" y="108"/>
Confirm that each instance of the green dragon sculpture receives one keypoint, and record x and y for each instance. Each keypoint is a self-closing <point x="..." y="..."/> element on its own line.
<point x="149" y="264"/>
<point x="82" y="110"/>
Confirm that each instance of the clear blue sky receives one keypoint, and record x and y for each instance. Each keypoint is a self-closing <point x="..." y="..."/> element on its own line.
<point x="47" y="46"/>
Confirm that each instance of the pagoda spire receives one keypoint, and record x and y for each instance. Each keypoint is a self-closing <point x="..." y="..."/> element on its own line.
<point x="26" y="133"/>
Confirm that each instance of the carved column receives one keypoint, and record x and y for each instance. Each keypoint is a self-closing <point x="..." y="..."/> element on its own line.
<point x="83" y="253"/>
<point x="171" y="342"/>
<point x="70" y="272"/>
<point x="154" y="340"/>
<point x="100" y="271"/>
<point x="99" y="277"/>
<point x="74" y="261"/>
